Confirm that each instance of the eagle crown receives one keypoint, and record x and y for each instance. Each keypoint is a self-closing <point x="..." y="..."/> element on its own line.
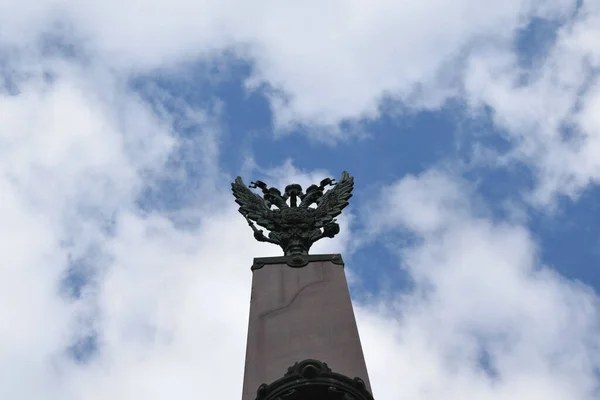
<point x="294" y="226"/>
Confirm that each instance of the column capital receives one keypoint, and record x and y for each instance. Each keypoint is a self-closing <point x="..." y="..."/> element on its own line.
<point x="297" y="261"/>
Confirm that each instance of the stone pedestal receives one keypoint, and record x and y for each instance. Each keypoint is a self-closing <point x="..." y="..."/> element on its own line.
<point x="299" y="313"/>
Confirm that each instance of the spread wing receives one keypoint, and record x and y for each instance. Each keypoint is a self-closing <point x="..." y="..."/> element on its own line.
<point x="251" y="204"/>
<point x="335" y="200"/>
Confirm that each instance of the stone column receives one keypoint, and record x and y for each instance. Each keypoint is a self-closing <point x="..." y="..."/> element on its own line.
<point x="299" y="313"/>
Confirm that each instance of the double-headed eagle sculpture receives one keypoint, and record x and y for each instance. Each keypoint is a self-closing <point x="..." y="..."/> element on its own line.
<point x="296" y="225"/>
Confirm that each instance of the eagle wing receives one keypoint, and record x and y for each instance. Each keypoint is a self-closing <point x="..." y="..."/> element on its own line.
<point x="252" y="206"/>
<point x="335" y="200"/>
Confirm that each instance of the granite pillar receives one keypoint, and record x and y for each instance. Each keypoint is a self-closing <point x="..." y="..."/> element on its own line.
<point x="299" y="313"/>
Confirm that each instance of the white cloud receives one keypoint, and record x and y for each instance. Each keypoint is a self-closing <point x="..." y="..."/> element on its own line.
<point x="75" y="153"/>
<point x="169" y="304"/>
<point x="327" y="63"/>
<point x="331" y="61"/>
<point x="551" y="119"/>
<point x="479" y="291"/>
<point x="410" y="203"/>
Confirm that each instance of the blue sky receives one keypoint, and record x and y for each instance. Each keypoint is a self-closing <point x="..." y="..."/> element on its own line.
<point x="471" y="242"/>
<point x="389" y="147"/>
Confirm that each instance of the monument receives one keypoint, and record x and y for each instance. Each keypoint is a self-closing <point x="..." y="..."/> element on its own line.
<point x="303" y="341"/>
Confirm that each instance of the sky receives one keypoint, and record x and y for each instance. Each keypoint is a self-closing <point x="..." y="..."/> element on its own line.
<point x="471" y="243"/>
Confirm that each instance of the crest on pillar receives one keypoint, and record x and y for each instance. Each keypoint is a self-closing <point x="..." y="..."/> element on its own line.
<point x="295" y="219"/>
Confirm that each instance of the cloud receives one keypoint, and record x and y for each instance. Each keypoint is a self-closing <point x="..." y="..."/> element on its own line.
<point x="356" y="55"/>
<point x="324" y="62"/>
<point x="410" y="203"/>
<point x="66" y="167"/>
<point x="485" y="319"/>
<point x="87" y="165"/>
<point x="106" y="293"/>
<point x="547" y="113"/>
<point x="81" y="262"/>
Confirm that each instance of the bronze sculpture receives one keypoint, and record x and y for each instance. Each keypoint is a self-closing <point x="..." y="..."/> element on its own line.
<point x="294" y="227"/>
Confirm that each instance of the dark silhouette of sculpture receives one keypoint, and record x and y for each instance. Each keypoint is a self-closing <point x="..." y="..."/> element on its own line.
<point x="313" y="379"/>
<point x="294" y="227"/>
